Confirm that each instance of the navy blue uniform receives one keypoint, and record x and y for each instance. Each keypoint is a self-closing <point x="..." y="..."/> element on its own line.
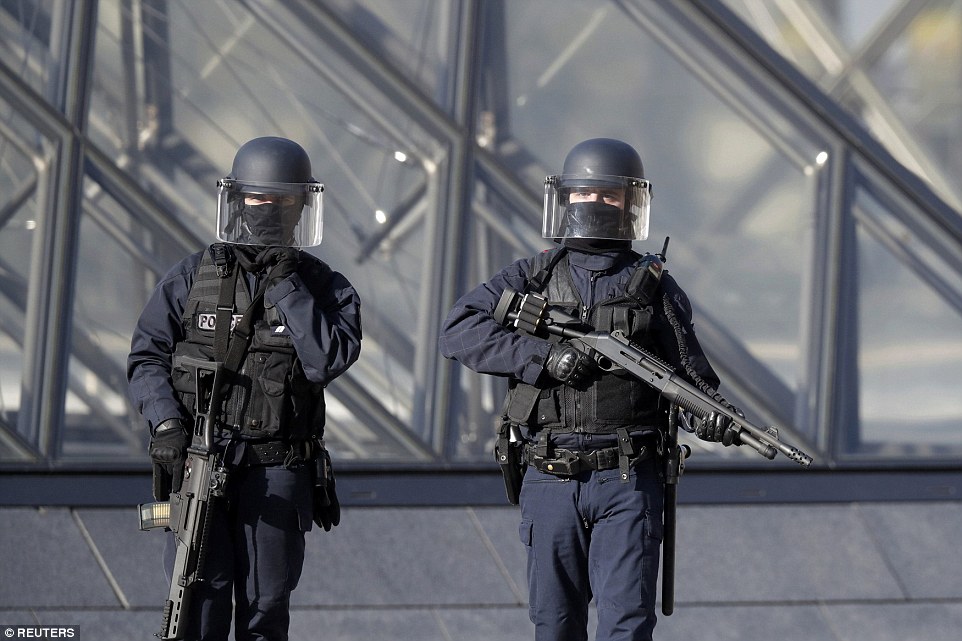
<point x="588" y="535"/>
<point x="257" y="539"/>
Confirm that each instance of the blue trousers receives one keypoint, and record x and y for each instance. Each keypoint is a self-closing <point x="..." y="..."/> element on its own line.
<point x="592" y="536"/>
<point x="255" y="556"/>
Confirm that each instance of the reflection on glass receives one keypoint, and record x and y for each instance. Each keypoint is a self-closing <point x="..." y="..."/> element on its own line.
<point x="909" y="348"/>
<point x="98" y="419"/>
<point x="897" y="66"/>
<point x="21" y="222"/>
<point x="29" y="37"/>
<point x="416" y="35"/>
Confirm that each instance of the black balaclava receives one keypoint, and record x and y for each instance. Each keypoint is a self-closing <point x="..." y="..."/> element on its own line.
<point x="598" y="219"/>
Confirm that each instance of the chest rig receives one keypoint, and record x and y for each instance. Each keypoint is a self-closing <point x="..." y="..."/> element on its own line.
<point x="266" y="395"/>
<point x="612" y="401"/>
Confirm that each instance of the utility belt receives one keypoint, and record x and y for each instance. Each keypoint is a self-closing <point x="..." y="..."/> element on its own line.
<point x="278" y="452"/>
<point x="563" y="462"/>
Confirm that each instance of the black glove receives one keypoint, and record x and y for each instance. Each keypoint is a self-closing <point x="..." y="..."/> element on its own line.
<point x="327" y="509"/>
<point x="168" y="450"/>
<point x="280" y="262"/>
<point x="717" y="428"/>
<point x="569" y="365"/>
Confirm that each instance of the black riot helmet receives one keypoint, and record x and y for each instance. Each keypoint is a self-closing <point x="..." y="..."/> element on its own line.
<point x="603" y="157"/>
<point x="270" y="196"/>
<point x="600" y="194"/>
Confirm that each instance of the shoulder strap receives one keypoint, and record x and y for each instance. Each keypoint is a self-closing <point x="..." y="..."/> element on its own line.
<point x="227" y="350"/>
<point x="537" y="282"/>
<point x="223" y="260"/>
<point x="242" y="334"/>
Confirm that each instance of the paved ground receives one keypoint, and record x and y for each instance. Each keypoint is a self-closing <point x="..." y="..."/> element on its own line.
<point x="834" y="572"/>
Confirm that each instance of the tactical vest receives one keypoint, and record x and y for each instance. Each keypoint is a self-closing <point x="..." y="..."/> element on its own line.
<point x="612" y="400"/>
<point x="268" y="396"/>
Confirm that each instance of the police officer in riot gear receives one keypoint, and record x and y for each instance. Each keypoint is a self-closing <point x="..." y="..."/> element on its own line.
<point x="592" y="491"/>
<point x="303" y="329"/>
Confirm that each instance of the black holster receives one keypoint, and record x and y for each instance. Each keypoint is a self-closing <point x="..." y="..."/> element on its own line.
<point x="509" y="453"/>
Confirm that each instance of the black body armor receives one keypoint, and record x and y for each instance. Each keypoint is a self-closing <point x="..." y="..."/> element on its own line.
<point x="612" y="401"/>
<point x="267" y="396"/>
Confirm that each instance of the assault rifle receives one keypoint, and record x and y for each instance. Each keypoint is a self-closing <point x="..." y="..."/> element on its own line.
<point x="615" y="353"/>
<point x="188" y="513"/>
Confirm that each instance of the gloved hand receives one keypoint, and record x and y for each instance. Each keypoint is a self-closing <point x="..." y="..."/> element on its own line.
<point x="280" y="262"/>
<point x="327" y="509"/>
<point x="717" y="428"/>
<point x="569" y="365"/>
<point x="168" y="450"/>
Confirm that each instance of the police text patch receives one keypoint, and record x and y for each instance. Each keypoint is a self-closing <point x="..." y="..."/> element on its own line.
<point x="208" y="322"/>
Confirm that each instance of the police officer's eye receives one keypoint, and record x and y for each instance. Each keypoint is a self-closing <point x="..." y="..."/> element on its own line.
<point x="269" y="198"/>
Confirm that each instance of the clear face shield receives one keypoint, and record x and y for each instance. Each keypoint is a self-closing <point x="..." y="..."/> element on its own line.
<point x="261" y="213"/>
<point x="592" y="206"/>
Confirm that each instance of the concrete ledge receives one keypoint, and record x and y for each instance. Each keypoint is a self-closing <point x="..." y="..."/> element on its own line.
<point x="406" y="486"/>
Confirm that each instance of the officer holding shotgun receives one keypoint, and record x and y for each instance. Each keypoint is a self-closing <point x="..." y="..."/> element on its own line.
<point x="591" y="438"/>
<point x="277" y="325"/>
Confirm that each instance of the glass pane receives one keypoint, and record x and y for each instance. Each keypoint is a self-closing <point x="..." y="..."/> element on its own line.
<point x="419" y="36"/>
<point x="920" y="74"/>
<point x="110" y="292"/>
<point x="26" y="29"/>
<point x="17" y="228"/>
<point x="21" y="223"/>
<point x="909" y="343"/>
<point x="895" y="65"/>
<point x="794" y="28"/>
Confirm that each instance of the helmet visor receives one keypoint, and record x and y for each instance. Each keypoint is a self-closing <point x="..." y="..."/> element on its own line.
<point x="287" y="214"/>
<point x="593" y="206"/>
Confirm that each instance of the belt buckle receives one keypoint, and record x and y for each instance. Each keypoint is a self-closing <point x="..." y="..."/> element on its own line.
<point x="568" y="465"/>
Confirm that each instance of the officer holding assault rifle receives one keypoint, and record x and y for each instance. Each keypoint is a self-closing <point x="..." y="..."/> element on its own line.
<point x="603" y="365"/>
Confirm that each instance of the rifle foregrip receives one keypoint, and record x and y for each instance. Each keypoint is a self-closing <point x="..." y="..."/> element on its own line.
<point x="692" y="405"/>
<point x="702" y="410"/>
